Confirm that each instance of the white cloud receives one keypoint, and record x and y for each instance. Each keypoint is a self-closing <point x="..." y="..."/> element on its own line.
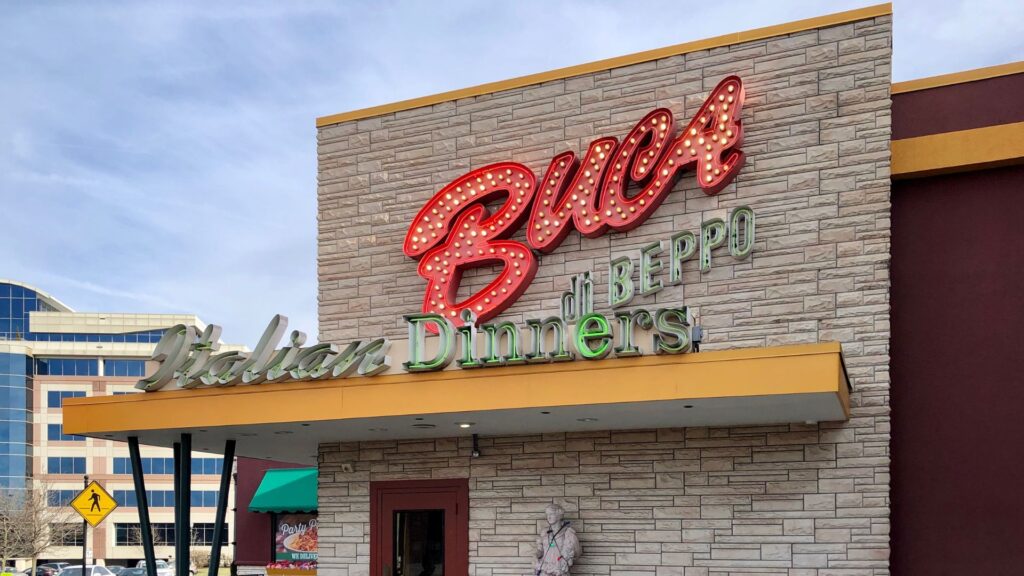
<point x="162" y="156"/>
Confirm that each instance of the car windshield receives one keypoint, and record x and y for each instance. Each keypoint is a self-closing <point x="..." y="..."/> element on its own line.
<point x="92" y="571"/>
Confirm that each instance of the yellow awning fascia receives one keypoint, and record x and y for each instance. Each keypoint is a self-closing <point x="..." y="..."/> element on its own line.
<point x="784" y="370"/>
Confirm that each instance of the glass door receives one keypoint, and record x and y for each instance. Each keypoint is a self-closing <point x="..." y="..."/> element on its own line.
<point x="419" y="528"/>
<point x="418" y="543"/>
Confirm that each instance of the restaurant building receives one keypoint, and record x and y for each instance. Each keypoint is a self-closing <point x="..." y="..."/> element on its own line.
<point x="668" y="292"/>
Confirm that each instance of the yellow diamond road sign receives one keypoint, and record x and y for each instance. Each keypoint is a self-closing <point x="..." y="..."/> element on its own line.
<point x="94" y="503"/>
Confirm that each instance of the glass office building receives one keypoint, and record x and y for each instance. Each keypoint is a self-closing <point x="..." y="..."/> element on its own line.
<point x="50" y="353"/>
<point x="15" y="419"/>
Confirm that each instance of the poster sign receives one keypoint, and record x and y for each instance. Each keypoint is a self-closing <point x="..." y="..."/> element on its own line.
<point x="295" y="537"/>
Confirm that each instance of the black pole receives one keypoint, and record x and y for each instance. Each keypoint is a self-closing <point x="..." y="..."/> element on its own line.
<point x="85" y="533"/>
<point x="222" y="505"/>
<point x="177" y="499"/>
<point x="182" y="562"/>
<point x="143" y="505"/>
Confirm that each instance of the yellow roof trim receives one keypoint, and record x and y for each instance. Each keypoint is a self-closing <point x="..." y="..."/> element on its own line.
<point x="742" y="372"/>
<point x="616" y="62"/>
<point x="958" y="77"/>
<point x="959" y="151"/>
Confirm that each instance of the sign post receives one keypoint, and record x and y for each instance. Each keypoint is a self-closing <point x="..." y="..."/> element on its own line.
<point x="85" y="530"/>
<point x="94" y="504"/>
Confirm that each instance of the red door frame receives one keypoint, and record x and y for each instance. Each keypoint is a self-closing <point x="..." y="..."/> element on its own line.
<point x="425" y="492"/>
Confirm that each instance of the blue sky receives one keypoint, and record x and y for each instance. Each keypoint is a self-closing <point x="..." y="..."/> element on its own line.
<point x="161" y="156"/>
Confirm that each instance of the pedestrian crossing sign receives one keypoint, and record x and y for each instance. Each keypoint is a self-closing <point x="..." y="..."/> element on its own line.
<point x="94" y="503"/>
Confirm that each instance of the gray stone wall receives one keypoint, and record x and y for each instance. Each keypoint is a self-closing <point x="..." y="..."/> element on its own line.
<point x="796" y="500"/>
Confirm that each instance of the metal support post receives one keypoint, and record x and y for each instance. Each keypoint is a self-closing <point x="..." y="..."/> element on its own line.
<point x="222" y="505"/>
<point x="177" y="500"/>
<point x="143" y="505"/>
<point x="85" y="534"/>
<point x="184" y="532"/>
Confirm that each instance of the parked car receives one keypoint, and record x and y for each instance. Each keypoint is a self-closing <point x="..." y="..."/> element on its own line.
<point x="116" y="569"/>
<point x="56" y="566"/>
<point x="133" y="572"/>
<point x="90" y="570"/>
<point x="41" y="571"/>
<point x="162" y="567"/>
<point x="191" y="568"/>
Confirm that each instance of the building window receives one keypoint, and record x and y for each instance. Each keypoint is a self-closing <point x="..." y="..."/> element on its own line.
<point x="55" y="398"/>
<point x="56" y="432"/>
<point x="207" y="465"/>
<point x="165" y="498"/>
<point x="67" y="534"/>
<point x="130" y="534"/>
<point x="124" y="368"/>
<point x="58" y="498"/>
<point x="204" y="498"/>
<point x="202" y="534"/>
<point x="67" y="366"/>
<point x="200" y="466"/>
<point x="147" y="337"/>
<point x="65" y="465"/>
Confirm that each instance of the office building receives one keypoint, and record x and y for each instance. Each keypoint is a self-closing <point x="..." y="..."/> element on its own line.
<point x="49" y="353"/>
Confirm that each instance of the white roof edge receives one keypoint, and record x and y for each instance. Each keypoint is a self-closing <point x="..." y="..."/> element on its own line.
<point x="44" y="295"/>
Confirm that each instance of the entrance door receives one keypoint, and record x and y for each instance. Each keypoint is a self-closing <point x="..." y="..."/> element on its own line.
<point x="419" y="528"/>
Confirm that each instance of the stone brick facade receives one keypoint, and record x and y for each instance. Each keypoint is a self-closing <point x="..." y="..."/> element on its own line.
<point x="798" y="499"/>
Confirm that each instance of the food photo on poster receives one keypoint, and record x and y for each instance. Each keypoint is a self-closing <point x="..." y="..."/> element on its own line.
<point x="295" y="537"/>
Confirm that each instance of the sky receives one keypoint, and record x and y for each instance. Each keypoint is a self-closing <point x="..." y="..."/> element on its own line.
<point x="161" y="156"/>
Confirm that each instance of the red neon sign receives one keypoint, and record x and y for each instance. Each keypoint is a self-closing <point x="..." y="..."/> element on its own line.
<point x="615" y="186"/>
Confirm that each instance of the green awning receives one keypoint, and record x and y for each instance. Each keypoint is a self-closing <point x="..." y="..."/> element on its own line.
<point x="286" y="490"/>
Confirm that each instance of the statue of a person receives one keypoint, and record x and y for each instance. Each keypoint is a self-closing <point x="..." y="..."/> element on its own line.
<point x="557" y="545"/>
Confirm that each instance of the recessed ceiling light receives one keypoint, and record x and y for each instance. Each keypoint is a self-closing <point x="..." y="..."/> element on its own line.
<point x="688" y="406"/>
<point x="424" y="426"/>
<point x="419" y="418"/>
<point x="545" y="412"/>
<point x="586" y="419"/>
<point x="284" y="432"/>
<point x="465" y="424"/>
<point x="305" y="424"/>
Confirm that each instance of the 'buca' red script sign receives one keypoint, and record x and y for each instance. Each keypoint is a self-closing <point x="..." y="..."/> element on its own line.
<point x="615" y="186"/>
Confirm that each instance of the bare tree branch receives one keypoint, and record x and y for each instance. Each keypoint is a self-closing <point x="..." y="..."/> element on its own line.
<point x="30" y="524"/>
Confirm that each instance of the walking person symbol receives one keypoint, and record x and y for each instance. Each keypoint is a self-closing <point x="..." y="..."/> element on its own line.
<point x="95" y="498"/>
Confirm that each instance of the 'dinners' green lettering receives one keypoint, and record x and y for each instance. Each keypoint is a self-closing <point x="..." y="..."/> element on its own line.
<point x="417" y="345"/>
<point x="627" y="331"/>
<point x="539" y="330"/>
<point x="493" y="343"/>
<point x="673" y="326"/>
<point x="593" y="329"/>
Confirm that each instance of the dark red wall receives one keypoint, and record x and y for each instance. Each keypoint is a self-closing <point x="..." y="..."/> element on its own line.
<point x="958" y="107"/>
<point x="252" y="531"/>
<point x="957" y="390"/>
